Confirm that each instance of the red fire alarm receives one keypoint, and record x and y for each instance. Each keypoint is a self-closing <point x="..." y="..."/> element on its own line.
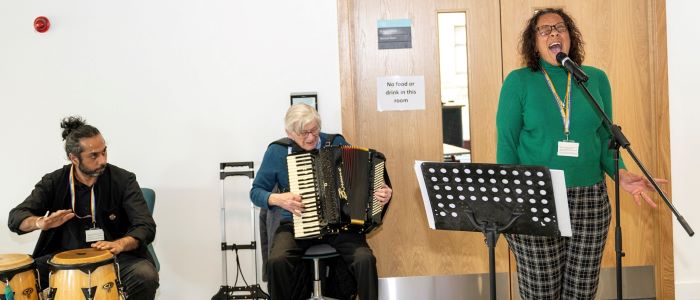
<point x="42" y="24"/>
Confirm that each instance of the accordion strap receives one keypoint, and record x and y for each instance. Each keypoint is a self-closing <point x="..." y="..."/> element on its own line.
<point x="331" y="139"/>
<point x="287" y="142"/>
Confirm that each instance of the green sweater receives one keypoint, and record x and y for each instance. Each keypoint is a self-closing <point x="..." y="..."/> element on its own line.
<point x="529" y="124"/>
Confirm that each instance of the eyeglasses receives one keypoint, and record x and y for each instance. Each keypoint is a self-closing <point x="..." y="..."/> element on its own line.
<point x="314" y="131"/>
<point x="545" y="30"/>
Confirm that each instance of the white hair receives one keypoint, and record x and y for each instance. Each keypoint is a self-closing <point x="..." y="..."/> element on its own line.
<point x="300" y="115"/>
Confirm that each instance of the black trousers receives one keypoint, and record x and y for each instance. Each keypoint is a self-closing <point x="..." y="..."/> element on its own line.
<point x="285" y="260"/>
<point x="138" y="275"/>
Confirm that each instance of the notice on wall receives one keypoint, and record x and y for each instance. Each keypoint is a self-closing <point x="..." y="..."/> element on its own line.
<point x="400" y="93"/>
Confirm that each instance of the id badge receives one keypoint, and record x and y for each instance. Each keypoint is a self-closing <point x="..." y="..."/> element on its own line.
<point x="94" y="235"/>
<point x="568" y="148"/>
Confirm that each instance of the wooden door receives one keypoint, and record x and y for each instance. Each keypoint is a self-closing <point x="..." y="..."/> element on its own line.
<point x="405" y="246"/>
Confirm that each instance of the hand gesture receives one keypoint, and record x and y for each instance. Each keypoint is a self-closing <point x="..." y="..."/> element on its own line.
<point x="637" y="185"/>
<point x="55" y="219"/>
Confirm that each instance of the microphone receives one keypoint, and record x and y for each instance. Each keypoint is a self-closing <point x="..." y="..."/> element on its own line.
<point x="572" y="67"/>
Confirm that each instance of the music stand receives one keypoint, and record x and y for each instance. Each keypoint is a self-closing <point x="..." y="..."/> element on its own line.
<point x="494" y="199"/>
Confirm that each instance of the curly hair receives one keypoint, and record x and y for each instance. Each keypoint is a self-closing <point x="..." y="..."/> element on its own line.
<point x="528" y="39"/>
<point x="75" y="129"/>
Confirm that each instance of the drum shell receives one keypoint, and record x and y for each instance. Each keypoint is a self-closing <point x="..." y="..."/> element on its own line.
<point x="20" y="270"/>
<point x="95" y="274"/>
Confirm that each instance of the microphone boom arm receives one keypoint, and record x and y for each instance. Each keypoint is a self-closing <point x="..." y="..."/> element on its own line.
<point x="621" y="140"/>
<point x="618" y="140"/>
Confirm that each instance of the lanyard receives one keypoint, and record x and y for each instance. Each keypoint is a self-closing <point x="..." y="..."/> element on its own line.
<point x="564" y="106"/>
<point x="72" y="197"/>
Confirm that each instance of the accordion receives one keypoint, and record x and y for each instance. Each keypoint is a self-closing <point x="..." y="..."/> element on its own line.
<point x="336" y="185"/>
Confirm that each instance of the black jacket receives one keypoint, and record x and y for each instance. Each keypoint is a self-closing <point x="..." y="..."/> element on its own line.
<point x="121" y="209"/>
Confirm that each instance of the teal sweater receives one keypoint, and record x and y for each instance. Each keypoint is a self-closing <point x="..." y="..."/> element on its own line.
<point x="529" y="124"/>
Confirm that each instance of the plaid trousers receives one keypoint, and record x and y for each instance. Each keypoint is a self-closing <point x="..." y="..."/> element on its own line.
<point x="561" y="267"/>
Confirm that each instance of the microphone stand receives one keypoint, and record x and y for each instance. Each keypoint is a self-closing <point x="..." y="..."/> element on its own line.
<point x="618" y="140"/>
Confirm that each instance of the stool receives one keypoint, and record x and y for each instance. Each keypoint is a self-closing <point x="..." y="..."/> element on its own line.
<point x="316" y="253"/>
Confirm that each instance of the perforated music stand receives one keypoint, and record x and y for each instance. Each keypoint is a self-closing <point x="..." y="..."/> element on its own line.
<point x="492" y="199"/>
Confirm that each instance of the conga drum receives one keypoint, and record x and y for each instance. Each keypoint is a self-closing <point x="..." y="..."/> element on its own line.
<point x="18" y="276"/>
<point x="83" y="274"/>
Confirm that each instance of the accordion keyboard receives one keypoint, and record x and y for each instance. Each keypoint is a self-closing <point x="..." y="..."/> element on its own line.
<point x="302" y="181"/>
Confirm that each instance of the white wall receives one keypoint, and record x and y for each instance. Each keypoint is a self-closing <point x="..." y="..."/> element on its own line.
<point x="684" y="106"/>
<point x="179" y="86"/>
<point x="175" y="87"/>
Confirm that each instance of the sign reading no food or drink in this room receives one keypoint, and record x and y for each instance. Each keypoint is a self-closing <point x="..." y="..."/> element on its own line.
<point x="400" y="93"/>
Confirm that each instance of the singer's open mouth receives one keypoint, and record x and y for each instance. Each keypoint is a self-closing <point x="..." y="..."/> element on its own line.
<point x="555" y="47"/>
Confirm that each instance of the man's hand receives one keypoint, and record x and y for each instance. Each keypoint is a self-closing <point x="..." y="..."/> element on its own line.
<point x="289" y="201"/>
<point x="53" y="220"/>
<point x="126" y="243"/>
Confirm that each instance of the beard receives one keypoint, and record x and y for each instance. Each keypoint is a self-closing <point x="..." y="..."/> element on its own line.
<point x="91" y="172"/>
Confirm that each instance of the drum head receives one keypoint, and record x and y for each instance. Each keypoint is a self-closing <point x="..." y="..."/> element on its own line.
<point x="81" y="256"/>
<point x="14" y="261"/>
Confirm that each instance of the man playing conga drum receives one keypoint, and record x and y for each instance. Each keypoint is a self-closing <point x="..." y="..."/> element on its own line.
<point x="90" y="203"/>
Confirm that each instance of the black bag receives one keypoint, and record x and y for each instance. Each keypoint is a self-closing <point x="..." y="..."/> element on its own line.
<point x="336" y="280"/>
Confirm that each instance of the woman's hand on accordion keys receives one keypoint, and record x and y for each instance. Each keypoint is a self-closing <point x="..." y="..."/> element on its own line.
<point x="383" y="194"/>
<point x="289" y="201"/>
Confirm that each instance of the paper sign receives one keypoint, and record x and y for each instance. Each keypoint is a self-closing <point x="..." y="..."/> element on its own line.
<point x="562" y="202"/>
<point x="400" y="93"/>
<point x="424" y="194"/>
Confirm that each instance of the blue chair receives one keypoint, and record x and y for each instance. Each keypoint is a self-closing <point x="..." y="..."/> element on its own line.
<point x="150" y="196"/>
